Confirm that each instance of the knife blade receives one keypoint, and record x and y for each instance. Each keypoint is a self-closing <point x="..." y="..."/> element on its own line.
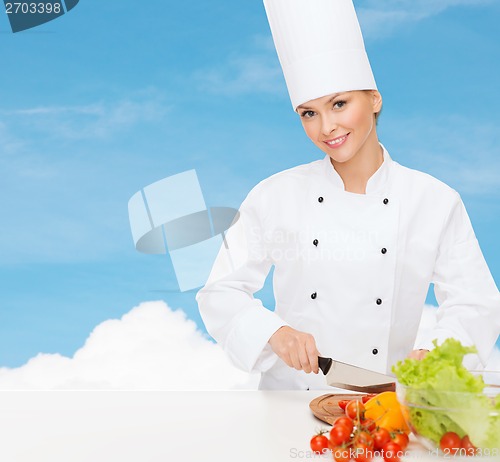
<point x="347" y="376"/>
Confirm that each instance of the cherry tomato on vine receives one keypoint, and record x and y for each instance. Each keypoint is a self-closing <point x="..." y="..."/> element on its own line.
<point x="381" y="436"/>
<point x="369" y="425"/>
<point x="339" y="434"/>
<point x="368" y="397"/>
<point x="401" y="439"/>
<point x="346" y="421"/>
<point x="364" y="438"/>
<point x="342" y="403"/>
<point x="355" y="409"/>
<point x="450" y="443"/>
<point x="470" y="449"/>
<point x="392" y="452"/>
<point x="362" y="453"/>
<point x="319" y="443"/>
<point x="341" y="454"/>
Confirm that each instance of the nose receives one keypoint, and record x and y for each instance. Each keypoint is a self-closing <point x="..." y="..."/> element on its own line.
<point x="328" y="124"/>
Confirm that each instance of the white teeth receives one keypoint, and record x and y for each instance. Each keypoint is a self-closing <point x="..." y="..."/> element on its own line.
<point x="337" y="141"/>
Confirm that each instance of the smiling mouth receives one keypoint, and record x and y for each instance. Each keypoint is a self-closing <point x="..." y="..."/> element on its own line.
<point x="337" y="141"/>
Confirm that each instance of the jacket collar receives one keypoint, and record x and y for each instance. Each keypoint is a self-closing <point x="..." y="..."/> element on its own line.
<point x="376" y="183"/>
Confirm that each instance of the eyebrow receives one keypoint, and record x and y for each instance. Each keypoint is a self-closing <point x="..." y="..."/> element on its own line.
<point x="328" y="102"/>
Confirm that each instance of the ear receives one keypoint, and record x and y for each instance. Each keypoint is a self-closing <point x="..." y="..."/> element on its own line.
<point x="376" y="99"/>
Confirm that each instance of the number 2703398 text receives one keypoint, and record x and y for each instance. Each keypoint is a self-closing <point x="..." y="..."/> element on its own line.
<point x="33" y="8"/>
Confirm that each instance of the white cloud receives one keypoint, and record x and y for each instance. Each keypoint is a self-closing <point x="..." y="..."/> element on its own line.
<point x="257" y="71"/>
<point x="91" y="109"/>
<point x="151" y="347"/>
<point x="93" y="120"/>
<point x="241" y="75"/>
<point x="427" y="323"/>
<point x="381" y="19"/>
<point x="68" y="168"/>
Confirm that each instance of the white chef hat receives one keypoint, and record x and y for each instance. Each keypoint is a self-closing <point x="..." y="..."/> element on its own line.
<point x="320" y="47"/>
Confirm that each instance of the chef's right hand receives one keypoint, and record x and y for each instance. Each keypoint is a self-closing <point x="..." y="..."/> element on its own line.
<point x="297" y="349"/>
<point x="418" y="354"/>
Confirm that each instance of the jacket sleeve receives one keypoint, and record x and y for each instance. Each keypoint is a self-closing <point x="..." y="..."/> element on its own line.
<point x="232" y="315"/>
<point x="469" y="301"/>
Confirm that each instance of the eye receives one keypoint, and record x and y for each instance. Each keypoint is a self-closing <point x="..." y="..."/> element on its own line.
<point x="307" y="114"/>
<point x="339" y="104"/>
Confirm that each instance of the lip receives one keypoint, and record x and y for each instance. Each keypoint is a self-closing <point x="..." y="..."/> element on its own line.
<point x="339" y="141"/>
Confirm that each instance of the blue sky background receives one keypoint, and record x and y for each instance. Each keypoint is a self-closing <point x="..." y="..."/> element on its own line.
<point x="114" y="96"/>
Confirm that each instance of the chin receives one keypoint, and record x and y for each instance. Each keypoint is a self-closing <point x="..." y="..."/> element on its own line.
<point x="339" y="159"/>
<point x="340" y="156"/>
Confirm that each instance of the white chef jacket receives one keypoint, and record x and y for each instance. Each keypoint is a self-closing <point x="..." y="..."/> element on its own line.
<point x="351" y="269"/>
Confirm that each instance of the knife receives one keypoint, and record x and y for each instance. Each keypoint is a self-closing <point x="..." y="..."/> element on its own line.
<point x="355" y="378"/>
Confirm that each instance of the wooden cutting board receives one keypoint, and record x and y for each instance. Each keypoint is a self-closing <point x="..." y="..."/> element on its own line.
<point x="326" y="408"/>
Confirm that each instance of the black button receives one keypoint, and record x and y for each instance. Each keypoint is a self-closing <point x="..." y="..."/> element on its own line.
<point x="315" y="242"/>
<point x="386" y="201"/>
<point x="314" y="295"/>
<point x="375" y="351"/>
<point x="379" y="301"/>
<point x="320" y="199"/>
<point x="384" y="250"/>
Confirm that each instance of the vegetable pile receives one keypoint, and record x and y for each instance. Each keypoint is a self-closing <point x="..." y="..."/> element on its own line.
<point x="371" y="426"/>
<point x="446" y="402"/>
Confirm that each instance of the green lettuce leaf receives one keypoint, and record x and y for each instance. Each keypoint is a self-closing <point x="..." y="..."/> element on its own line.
<point x="445" y="396"/>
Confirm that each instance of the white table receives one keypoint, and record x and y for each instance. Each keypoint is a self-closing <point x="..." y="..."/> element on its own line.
<point x="166" y="426"/>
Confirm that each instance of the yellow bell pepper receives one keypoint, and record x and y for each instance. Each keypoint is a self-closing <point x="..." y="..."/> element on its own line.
<point x="386" y="411"/>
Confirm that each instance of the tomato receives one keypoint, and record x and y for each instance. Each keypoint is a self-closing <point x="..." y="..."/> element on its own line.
<point x="342" y="403"/>
<point x="364" y="438"/>
<point x="369" y="425"/>
<point x="355" y="409"/>
<point x="380" y="437"/>
<point x="319" y="443"/>
<point x="362" y="453"/>
<point x="470" y="449"/>
<point x="341" y="454"/>
<point x="401" y="439"/>
<point x="392" y="452"/>
<point x="340" y="434"/>
<point x="450" y="443"/>
<point x="346" y="421"/>
<point x="368" y="397"/>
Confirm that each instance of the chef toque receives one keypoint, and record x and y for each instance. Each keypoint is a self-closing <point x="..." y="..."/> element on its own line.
<point x="320" y="47"/>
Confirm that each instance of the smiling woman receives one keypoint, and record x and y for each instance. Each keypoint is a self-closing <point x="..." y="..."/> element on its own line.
<point x="346" y="119"/>
<point x="358" y="299"/>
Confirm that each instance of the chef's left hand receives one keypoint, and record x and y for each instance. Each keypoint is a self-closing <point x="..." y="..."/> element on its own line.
<point x="418" y="354"/>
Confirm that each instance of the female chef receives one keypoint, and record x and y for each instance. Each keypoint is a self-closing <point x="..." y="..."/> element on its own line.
<point x="354" y="238"/>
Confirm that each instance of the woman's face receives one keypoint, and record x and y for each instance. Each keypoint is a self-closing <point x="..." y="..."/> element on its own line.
<point x="342" y="124"/>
